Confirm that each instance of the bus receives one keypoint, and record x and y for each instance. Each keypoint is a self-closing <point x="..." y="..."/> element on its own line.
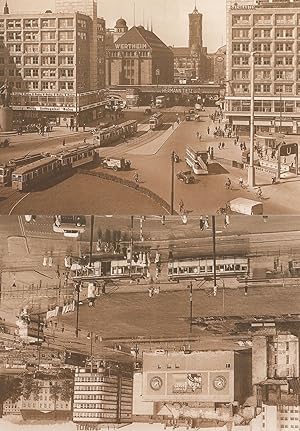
<point x="161" y="102"/>
<point x="197" y="161"/>
<point x="156" y="121"/>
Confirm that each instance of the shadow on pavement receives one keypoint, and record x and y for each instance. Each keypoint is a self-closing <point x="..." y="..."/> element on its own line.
<point x="216" y="169"/>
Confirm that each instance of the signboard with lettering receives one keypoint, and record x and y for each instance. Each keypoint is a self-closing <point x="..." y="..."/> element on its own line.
<point x="187" y="383"/>
<point x="288" y="149"/>
<point x="131" y="46"/>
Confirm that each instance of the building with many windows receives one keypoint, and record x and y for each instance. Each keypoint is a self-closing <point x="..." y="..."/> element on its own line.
<point x="137" y="57"/>
<point x="54" y="62"/>
<point x="192" y="62"/>
<point x="102" y="396"/>
<point x="270" y="30"/>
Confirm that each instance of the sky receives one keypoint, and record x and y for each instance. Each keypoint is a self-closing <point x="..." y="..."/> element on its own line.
<point x="170" y="17"/>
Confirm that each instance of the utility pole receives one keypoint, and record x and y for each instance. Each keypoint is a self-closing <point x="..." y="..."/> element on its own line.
<point x="214" y="253"/>
<point x="131" y="245"/>
<point x="172" y="182"/>
<point x="91" y="239"/>
<point x="251" y="169"/>
<point x="77" y="290"/>
<point x="191" y="307"/>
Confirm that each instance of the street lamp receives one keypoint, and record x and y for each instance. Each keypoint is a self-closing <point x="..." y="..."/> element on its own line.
<point x="191" y="306"/>
<point x="172" y="182"/>
<point x="214" y="253"/>
<point x="77" y="291"/>
<point x="251" y="169"/>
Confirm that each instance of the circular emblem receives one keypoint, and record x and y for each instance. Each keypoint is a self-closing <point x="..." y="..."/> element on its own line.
<point x="156" y="383"/>
<point x="219" y="58"/>
<point x="219" y="383"/>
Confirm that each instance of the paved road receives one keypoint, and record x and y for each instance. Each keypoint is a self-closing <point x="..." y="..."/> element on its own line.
<point x="207" y="195"/>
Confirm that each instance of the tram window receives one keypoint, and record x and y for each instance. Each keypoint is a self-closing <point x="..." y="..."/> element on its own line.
<point x="244" y="267"/>
<point x="220" y="267"/>
<point x="202" y="268"/>
<point x="209" y="268"/>
<point x="237" y="266"/>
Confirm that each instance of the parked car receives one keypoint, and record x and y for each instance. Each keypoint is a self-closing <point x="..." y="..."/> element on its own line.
<point x="4" y="143"/>
<point x="148" y="111"/>
<point x="116" y="164"/>
<point x="186" y="177"/>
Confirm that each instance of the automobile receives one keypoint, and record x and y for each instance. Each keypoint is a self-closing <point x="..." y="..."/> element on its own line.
<point x="159" y="351"/>
<point x="186" y="177"/>
<point x="188" y="117"/>
<point x="5" y="143"/>
<point x="148" y="111"/>
<point x="192" y="111"/>
<point x="116" y="164"/>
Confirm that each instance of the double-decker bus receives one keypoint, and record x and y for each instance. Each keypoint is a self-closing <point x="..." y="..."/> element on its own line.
<point x="197" y="161"/>
<point x="156" y="121"/>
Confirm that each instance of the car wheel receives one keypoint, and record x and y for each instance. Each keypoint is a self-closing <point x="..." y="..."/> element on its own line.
<point x="115" y="168"/>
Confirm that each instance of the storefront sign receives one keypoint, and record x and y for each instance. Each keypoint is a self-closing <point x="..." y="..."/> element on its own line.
<point x="243" y="7"/>
<point x="187" y="383"/>
<point x="68" y="308"/>
<point x="52" y="313"/>
<point x="131" y="46"/>
<point x="45" y="108"/>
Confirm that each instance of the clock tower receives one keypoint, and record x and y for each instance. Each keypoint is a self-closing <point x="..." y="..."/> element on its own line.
<point x="195" y="29"/>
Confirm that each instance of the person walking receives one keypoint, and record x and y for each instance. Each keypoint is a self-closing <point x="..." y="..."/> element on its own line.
<point x="64" y="142"/>
<point x="136" y="177"/>
<point x="181" y="206"/>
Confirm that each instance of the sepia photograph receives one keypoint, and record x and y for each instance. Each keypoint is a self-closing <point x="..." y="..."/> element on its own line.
<point x="133" y="107"/>
<point x="150" y="322"/>
<point x="149" y="215"/>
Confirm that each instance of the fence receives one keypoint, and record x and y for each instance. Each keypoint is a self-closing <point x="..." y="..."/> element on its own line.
<point x="131" y="184"/>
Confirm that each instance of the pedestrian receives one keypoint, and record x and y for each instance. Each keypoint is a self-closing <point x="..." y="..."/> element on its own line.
<point x="181" y="206"/>
<point x="197" y="135"/>
<point x="223" y="145"/>
<point x="273" y="180"/>
<point x="208" y="130"/>
<point x="246" y="290"/>
<point x="150" y="292"/>
<point x="226" y="220"/>
<point x="220" y="145"/>
<point x="241" y="182"/>
<point x="136" y="177"/>
<point x="200" y="137"/>
<point x="64" y="142"/>
<point x="83" y="127"/>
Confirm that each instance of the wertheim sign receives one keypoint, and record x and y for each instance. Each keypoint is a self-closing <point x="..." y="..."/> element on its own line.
<point x="131" y="46"/>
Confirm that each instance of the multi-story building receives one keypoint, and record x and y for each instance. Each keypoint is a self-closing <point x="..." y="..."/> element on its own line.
<point x="102" y="396"/>
<point x="12" y="407"/>
<point x="46" y="402"/>
<point x="192" y="62"/>
<point x="268" y="33"/>
<point x="137" y="57"/>
<point x="203" y="377"/>
<point x="218" y="66"/>
<point x="54" y="62"/>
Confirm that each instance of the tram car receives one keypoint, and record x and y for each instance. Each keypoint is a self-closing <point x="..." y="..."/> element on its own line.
<point x="76" y="156"/>
<point x="182" y="268"/>
<point x="6" y="169"/>
<point x="156" y="121"/>
<point x="114" y="133"/>
<point x="26" y="178"/>
<point x="111" y="266"/>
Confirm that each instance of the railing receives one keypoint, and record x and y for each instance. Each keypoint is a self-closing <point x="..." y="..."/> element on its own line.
<point x="131" y="184"/>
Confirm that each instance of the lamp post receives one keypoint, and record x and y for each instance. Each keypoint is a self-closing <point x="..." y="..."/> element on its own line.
<point x="172" y="182"/>
<point x="191" y="306"/>
<point x="77" y="291"/>
<point x="214" y="253"/>
<point x="251" y="169"/>
<point x="91" y="239"/>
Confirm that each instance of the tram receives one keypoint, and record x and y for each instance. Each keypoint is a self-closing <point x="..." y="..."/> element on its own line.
<point x="179" y="268"/>
<point x="6" y="169"/>
<point x="156" y="121"/>
<point x="114" y="133"/>
<point x="29" y="176"/>
<point x="75" y="157"/>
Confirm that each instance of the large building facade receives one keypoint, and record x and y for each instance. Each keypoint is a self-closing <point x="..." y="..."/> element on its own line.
<point x="192" y="63"/>
<point x="137" y="57"/>
<point x="102" y="397"/>
<point x="50" y="62"/>
<point x="270" y="31"/>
